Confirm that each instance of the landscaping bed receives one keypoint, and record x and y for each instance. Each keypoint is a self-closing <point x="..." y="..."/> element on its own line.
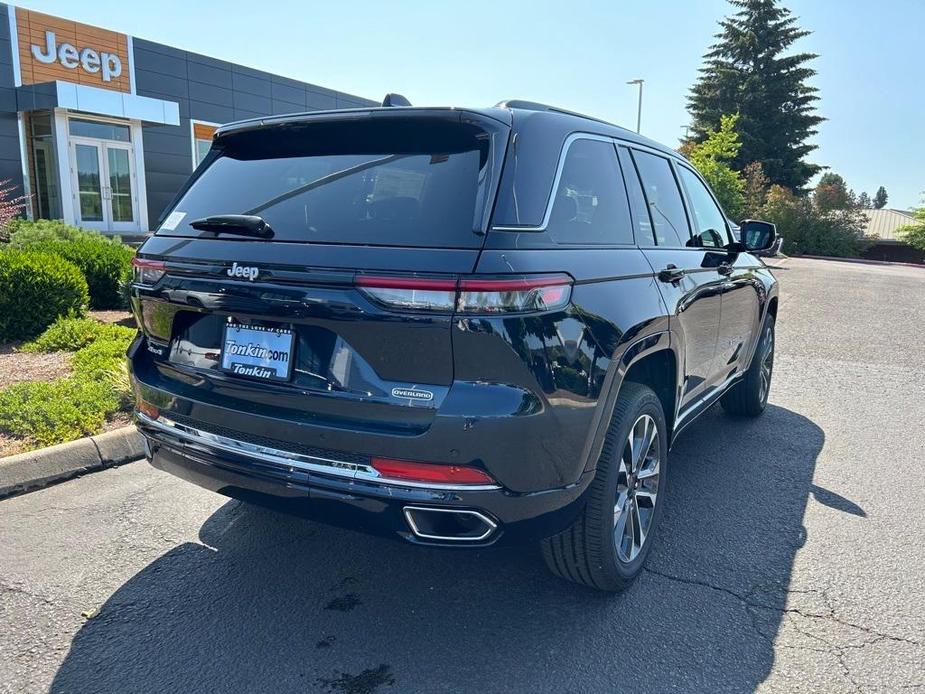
<point x="62" y="366"/>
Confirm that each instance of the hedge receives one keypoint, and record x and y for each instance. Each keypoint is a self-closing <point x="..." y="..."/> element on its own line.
<point x="104" y="261"/>
<point x="35" y="289"/>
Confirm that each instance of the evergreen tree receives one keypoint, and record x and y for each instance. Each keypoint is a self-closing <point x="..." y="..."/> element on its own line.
<point x="750" y="71"/>
<point x="880" y="198"/>
<point x="864" y="201"/>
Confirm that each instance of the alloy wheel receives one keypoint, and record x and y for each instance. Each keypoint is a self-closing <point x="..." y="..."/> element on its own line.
<point x="767" y="366"/>
<point x="637" y="488"/>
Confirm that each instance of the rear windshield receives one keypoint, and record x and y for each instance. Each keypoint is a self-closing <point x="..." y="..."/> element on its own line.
<point x="397" y="183"/>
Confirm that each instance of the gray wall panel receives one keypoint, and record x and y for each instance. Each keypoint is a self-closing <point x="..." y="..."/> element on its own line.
<point x="10" y="152"/>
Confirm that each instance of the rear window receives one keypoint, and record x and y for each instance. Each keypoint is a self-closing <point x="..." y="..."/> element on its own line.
<point x="399" y="183"/>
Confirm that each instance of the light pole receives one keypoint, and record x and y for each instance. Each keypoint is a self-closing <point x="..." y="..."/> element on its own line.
<point x="639" y="108"/>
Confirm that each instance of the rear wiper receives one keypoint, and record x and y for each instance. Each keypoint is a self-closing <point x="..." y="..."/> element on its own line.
<point x="241" y="224"/>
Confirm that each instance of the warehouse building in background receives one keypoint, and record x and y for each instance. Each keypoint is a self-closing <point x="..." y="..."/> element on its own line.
<point x="101" y="129"/>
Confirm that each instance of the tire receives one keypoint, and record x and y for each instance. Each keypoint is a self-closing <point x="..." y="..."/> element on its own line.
<point x="749" y="397"/>
<point x="587" y="551"/>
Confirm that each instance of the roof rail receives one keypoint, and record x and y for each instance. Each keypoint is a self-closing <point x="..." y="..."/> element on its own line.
<point x="536" y="106"/>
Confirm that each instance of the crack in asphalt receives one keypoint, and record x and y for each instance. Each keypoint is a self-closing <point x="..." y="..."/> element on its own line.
<point x="835" y="649"/>
<point x="19" y="590"/>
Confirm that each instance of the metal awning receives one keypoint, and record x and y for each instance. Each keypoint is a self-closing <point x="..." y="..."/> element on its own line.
<point x="103" y="102"/>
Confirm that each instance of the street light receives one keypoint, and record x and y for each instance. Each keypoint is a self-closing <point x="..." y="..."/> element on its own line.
<point x="639" y="109"/>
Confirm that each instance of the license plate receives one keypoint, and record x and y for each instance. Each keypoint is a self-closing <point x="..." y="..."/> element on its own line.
<point x="258" y="352"/>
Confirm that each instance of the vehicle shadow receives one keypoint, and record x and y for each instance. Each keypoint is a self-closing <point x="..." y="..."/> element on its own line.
<point x="274" y="603"/>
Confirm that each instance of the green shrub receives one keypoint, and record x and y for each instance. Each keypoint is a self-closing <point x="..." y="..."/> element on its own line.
<point x="72" y="334"/>
<point x="35" y="289"/>
<point x="24" y="232"/>
<point x="103" y="264"/>
<point x="50" y="412"/>
<point x="103" y="361"/>
<point x="809" y="231"/>
<point x="45" y="413"/>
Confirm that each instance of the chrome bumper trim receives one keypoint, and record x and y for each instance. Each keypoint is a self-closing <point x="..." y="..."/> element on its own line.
<point x="293" y="461"/>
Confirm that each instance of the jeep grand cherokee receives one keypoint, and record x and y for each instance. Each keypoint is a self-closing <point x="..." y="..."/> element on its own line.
<point x="460" y="327"/>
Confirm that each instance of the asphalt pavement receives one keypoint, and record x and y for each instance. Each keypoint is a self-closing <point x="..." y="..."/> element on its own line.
<point x="791" y="557"/>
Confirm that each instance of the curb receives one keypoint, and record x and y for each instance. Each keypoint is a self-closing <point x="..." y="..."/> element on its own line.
<point x="862" y="261"/>
<point x="26" y="472"/>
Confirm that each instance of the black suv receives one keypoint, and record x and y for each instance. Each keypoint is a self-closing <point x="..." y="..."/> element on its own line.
<point x="461" y="327"/>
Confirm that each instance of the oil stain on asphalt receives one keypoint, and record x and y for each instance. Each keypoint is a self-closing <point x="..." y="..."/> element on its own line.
<point x="344" y="603"/>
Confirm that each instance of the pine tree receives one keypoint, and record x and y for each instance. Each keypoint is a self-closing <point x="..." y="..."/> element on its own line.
<point x="880" y="198"/>
<point x="750" y="71"/>
<point x="864" y="201"/>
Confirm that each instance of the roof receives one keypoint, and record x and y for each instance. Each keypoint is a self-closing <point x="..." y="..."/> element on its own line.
<point x="884" y="223"/>
<point x="502" y="112"/>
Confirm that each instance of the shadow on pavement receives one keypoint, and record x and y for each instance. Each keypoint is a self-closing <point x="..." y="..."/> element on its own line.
<point x="274" y="603"/>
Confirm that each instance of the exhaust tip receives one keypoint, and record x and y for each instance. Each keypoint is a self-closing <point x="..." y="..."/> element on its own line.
<point x="449" y="524"/>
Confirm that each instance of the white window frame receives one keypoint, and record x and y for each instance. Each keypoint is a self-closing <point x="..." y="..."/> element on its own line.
<point x="192" y="134"/>
<point x="62" y="146"/>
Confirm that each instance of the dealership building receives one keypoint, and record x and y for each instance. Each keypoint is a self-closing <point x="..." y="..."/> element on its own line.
<point x="101" y="129"/>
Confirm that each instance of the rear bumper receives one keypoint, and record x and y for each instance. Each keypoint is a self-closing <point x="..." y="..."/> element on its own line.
<point x="342" y="495"/>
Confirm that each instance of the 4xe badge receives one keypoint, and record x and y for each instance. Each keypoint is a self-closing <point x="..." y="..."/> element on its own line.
<point x="247" y="271"/>
<point x="412" y="394"/>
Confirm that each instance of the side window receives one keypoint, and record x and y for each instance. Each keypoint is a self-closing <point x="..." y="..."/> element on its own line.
<point x="664" y="200"/>
<point x="709" y="221"/>
<point x="590" y="204"/>
<point x="641" y="220"/>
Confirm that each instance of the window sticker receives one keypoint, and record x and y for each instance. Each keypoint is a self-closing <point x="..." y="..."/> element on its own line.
<point x="172" y="220"/>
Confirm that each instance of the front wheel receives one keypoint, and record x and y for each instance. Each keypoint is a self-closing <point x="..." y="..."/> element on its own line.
<point x="749" y="396"/>
<point x="606" y="547"/>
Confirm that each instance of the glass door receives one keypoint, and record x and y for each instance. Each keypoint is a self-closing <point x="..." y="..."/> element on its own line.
<point x="103" y="181"/>
<point x="119" y="187"/>
<point x="86" y="170"/>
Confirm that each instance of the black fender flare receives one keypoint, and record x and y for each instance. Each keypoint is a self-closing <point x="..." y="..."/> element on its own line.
<point x="613" y="381"/>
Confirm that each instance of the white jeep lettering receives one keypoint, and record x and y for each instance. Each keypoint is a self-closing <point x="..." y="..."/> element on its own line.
<point x="92" y="61"/>
<point x="247" y="272"/>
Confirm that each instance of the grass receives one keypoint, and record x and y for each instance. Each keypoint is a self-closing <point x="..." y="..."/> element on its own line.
<point x="44" y="413"/>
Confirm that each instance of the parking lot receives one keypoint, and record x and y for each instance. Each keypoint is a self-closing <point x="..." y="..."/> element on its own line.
<point x="790" y="557"/>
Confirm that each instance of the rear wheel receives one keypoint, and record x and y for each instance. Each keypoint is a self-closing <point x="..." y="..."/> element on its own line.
<point x="606" y="547"/>
<point x="749" y="396"/>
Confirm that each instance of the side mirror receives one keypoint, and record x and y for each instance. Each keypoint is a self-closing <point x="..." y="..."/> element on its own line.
<point x="757" y="236"/>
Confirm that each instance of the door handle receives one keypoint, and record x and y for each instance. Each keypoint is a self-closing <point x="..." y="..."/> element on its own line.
<point x="724" y="269"/>
<point x="671" y="273"/>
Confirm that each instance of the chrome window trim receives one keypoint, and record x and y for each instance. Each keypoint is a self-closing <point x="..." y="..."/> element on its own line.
<point x="288" y="459"/>
<point x="566" y="146"/>
<point x="492" y="526"/>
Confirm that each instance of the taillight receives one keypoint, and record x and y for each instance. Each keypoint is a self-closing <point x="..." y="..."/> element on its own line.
<point x="470" y="295"/>
<point x="146" y="271"/>
<point x="410" y="293"/>
<point x="503" y="295"/>
<point x="430" y="472"/>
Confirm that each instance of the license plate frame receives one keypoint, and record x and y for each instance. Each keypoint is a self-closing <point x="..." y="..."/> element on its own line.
<point x="277" y="339"/>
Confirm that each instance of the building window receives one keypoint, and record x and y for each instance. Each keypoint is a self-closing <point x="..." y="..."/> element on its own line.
<point x="44" y="166"/>
<point x="202" y="140"/>
<point x="99" y="130"/>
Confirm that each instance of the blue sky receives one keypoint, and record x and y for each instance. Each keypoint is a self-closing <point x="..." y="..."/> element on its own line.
<point x="577" y="55"/>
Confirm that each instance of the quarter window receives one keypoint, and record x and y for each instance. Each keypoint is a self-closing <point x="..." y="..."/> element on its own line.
<point x="590" y="206"/>
<point x="666" y="207"/>
<point x="709" y="221"/>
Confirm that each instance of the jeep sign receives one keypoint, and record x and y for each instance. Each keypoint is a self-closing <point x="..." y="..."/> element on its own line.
<point x="92" y="61"/>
